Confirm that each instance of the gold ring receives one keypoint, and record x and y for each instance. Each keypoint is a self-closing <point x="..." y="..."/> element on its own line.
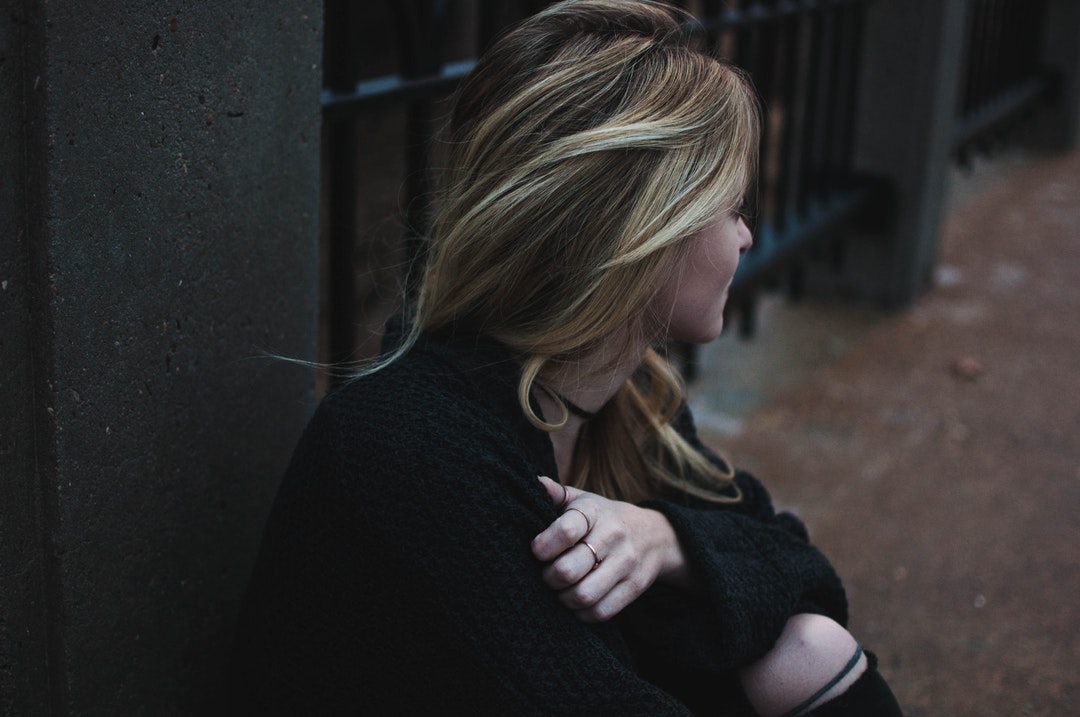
<point x="596" y="558"/>
<point x="565" y="497"/>
<point x="588" y="523"/>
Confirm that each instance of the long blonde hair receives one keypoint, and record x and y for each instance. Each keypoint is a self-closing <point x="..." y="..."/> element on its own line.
<point x="583" y="150"/>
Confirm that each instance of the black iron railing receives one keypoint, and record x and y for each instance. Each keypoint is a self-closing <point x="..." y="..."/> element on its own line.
<point x="802" y="56"/>
<point x="1002" y="76"/>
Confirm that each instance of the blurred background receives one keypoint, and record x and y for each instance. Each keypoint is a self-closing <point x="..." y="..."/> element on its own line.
<point x="186" y="190"/>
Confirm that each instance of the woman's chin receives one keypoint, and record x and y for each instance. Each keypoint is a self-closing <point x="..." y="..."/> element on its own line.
<point x="702" y="334"/>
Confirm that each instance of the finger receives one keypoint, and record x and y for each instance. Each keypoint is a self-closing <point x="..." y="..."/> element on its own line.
<point x="560" y="494"/>
<point x="591" y="589"/>
<point x="555" y="491"/>
<point x="569" y="569"/>
<point x="611" y="604"/>
<point x="584" y="516"/>
<point x="562" y="535"/>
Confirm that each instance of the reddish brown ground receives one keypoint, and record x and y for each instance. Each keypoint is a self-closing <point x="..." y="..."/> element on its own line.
<point x="935" y="454"/>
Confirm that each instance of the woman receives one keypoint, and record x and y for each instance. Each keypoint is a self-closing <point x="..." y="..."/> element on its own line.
<point x="511" y="512"/>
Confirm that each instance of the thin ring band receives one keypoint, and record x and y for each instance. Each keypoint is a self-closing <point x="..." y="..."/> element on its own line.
<point x="565" y="497"/>
<point x="588" y="523"/>
<point x="596" y="558"/>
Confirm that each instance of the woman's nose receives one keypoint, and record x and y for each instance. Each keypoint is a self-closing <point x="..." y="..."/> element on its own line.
<point x="747" y="239"/>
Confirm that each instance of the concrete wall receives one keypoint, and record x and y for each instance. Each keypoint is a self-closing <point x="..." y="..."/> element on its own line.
<point x="158" y="222"/>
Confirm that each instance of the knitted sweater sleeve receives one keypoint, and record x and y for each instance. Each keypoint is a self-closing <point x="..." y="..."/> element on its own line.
<point x="756" y="568"/>
<point x="396" y="577"/>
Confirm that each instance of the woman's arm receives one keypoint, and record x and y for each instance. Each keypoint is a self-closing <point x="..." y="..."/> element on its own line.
<point x="715" y="582"/>
<point x="755" y="575"/>
<point x="401" y="580"/>
<point x="602" y="554"/>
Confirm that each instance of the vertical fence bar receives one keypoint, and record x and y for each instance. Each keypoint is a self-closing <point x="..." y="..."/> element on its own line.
<point x="1004" y="77"/>
<point x="819" y="141"/>
<point x="748" y="56"/>
<point x="421" y="28"/>
<point x="1059" y="28"/>
<point x="811" y="111"/>
<point x="996" y="51"/>
<point x="1033" y="37"/>
<point x="489" y="25"/>
<point x="847" y="123"/>
<point x="980" y="24"/>
<point x="800" y="54"/>
<point x="793" y="107"/>
<point x="827" y="170"/>
<point x="768" y="81"/>
<point x="795" y="104"/>
<point x="340" y="153"/>
<point x="968" y="69"/>
<point x="850" y="54"/>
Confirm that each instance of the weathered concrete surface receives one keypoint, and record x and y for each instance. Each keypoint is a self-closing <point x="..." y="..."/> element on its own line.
<point x="936" y="454"/>
<point x="24" y="380"/>
<point x="162" y="233"/>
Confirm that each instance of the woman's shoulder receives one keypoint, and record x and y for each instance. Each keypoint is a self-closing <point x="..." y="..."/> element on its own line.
<point x="435" y="393"/>
<point x="437" y="412"/>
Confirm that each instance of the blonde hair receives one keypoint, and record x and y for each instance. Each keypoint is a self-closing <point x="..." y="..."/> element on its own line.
<point x="584" y="148"/>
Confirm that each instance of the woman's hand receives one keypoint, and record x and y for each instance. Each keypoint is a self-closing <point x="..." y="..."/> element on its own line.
<point x="602" y="554"/>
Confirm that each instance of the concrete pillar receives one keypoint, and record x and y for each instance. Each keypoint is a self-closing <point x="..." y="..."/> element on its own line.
<point x="158" y="214"/>
<point x="907" y="106"/>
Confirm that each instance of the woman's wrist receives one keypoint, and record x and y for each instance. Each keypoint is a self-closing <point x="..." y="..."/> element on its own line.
<point x="674" y="569"/>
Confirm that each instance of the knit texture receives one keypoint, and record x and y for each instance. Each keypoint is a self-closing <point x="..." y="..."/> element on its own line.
<point x="395" y="575"/>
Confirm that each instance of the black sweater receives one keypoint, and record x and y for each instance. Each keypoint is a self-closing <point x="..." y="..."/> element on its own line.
<point x="395" y="574"/>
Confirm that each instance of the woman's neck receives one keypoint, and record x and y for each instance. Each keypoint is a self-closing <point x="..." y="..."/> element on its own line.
<point x="589" y="383"/>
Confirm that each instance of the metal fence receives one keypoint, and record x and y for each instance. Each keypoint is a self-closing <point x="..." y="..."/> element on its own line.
<point x="803" y="58"/>
<point x="1003" y="79"/>
<point x="389" y="68"/>
<point x="395" y="63"/>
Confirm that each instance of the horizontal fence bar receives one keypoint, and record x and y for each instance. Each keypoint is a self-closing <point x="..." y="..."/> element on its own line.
<point x="1003" y="75"/>
<point x="393" y="89"/>
<point x="1004" y="106"/>
<point x="734" y="18"/>
<point x="820" y="218"/>
<point x="802" y="55"/>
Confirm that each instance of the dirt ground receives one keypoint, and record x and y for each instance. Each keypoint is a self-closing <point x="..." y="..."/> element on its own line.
<point x="935" y="454"/>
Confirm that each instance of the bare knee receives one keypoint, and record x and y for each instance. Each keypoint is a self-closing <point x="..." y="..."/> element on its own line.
<point x="811" y="651"/>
